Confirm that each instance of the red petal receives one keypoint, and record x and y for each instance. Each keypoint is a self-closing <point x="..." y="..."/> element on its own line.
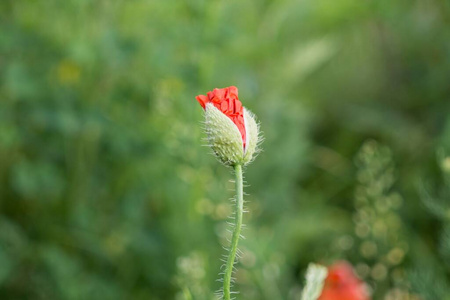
<point x="224" y="106"/>
<point x="219" y="93"/>
<point x="202" y="99"/>
<point x="237" y="106"/>
<point x="216" y="100"/>
<point x="233" y="90"/>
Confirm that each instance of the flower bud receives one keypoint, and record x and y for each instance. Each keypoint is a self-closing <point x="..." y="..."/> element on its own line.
<point x="232" y="131"/>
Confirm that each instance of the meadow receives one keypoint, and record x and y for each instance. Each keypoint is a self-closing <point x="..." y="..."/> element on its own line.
<point x="106" y="189"/>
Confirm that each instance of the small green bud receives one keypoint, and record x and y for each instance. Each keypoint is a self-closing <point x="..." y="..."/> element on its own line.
<point x="226" y="140"/>
<point x="223" y="136"/>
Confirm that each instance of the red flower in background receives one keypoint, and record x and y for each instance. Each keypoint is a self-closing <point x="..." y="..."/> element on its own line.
<point x="342" y="284"/>
<point x="227" y="101"/>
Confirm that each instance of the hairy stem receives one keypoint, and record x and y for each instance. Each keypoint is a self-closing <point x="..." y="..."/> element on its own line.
<point x="236" y="232"/>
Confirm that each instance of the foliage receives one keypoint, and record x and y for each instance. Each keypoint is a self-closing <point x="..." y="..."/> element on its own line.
<point x="106" y="192"/>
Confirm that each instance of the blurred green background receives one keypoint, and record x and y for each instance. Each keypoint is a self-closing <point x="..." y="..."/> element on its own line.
<point x="107" y="193"/>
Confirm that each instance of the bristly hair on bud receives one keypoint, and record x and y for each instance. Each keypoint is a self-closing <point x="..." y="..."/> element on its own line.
<point x="254" y="137"/>
<point x="232" y="130"/>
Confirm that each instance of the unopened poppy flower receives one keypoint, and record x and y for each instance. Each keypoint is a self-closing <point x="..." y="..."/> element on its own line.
<point x="233" y="134"/>
<point x="232" y="131"/>
<point x="342" y="284"/>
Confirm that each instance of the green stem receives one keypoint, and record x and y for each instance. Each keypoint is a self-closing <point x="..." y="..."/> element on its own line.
<point x="236" y="232"/>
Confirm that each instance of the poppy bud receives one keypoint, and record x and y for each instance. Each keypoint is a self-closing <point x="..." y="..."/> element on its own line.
<point x="232" y="131"/>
